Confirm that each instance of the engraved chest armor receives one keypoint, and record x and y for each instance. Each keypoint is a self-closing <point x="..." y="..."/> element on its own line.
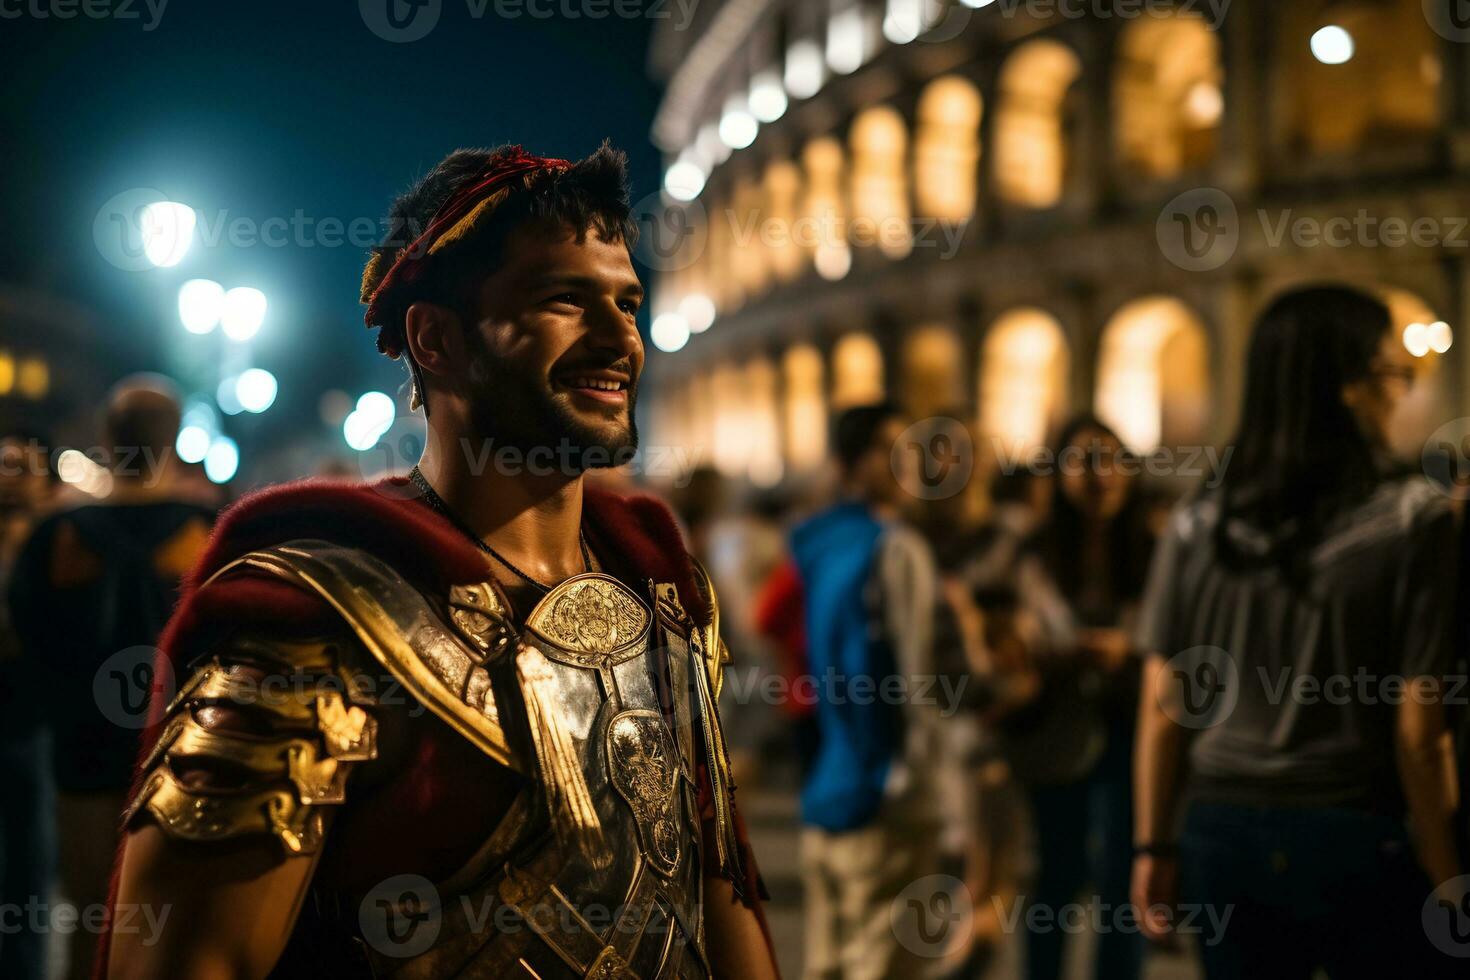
<point x="605" y="699"/>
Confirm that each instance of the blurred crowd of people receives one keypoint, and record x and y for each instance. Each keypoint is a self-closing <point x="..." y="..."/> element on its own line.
<point x="89" y="582"/>
<point x="1068" y="694"/>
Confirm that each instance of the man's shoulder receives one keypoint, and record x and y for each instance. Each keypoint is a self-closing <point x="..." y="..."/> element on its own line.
<point x="384" y="519"/>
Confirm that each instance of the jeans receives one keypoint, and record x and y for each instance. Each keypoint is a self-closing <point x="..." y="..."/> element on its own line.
<point x="1334" y="889"/>
<point x="27" y="851"/>
<point x="1084" y="836"/>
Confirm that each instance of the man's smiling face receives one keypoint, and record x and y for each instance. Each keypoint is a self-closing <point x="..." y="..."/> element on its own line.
<point x="555" y="352"/>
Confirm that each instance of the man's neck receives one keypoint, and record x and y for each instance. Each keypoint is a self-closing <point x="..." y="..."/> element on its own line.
<point x="534" y="520"/>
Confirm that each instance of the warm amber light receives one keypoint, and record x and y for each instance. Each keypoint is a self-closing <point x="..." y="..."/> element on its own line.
<point x="1030" y="125"/>
<point x="880" y="204"/>
<point x="1167" y="68"/>
<point x="947" y="149"/>
<point x="1023" y="380"/>
<point x="34" y="378"/>
<point x="1153" y="364"/>
<point x="857" y="371"/>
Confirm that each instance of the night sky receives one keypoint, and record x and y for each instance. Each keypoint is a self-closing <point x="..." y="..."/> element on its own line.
<point x="269" y="109"/>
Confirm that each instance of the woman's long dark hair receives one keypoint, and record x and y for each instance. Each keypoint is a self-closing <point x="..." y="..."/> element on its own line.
<point x="1130" y="542"/>
<point x="1300" y="455"/>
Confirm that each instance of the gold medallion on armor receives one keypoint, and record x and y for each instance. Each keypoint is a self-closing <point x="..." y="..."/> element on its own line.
<point x="591" y="621"/>
<point x="640" y="759"/>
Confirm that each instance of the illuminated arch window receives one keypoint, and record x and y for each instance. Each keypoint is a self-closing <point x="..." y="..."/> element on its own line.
<point x="722" y="261"/>
<point x="699" y="425"/>
<point x="880" y="202"/>
<point x="1031" y="125"/>
<point x="782" y="190"/>
<point x="933" y="375"/>
<point x="731" y="443"/>
<point x="947" y="149"/>
<point x="1023" y="380"/>
<point x="1153" y="377"/>
<point x="1167" y="96"/>
<point x="823" y="228"/>
<point x="806" y="409"/>
<point x="748" y="238"/>
<point x="857" y="371"/>
<point x="763" y="464"/>
<point x="1385" y="93"/>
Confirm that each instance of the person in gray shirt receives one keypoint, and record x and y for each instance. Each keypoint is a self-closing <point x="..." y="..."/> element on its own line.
<point x="1298" y="619"/>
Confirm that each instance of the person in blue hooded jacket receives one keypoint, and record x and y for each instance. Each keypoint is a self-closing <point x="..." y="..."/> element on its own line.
<point x="868" y="595"/>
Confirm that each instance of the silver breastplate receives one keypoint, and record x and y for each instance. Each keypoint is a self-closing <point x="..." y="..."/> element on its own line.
<point x="616" y="890"/>
<point x="599" y="700"/>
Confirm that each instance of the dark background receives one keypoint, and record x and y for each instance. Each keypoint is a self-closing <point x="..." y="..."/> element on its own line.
<point x="261" y="110"/>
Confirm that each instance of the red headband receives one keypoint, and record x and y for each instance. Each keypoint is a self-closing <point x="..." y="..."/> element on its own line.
<point x="409" y="262"/>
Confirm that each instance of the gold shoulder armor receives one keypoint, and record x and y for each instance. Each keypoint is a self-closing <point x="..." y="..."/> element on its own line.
<point x="712" y="645"/>
<point x="444" y="661"/>
<point x="259" y="739"/>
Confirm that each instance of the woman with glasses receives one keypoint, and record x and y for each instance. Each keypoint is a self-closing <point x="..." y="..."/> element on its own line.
<point x="1293" y="785"/>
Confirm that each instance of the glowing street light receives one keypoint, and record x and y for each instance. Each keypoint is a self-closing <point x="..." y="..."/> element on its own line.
<point x="256" y="390"/>
<point x="684" y="180"/>
<point x="767" y="97"/>
<point x="738" y="127"/>
<point x="1333" y="45"/>
<point x="201" y="303"/>
<point x="193" y="444"/>
<point x="670" y="332"/>
<point x="1440" y="337"/>
<point x="370" y="421"/>
<point x="168" y="231"/>
<point x="227" y="396"/>
<point x="243" y="313"/>
<point x="804" y="69"/>
<point x="904" y="21"/>
<point x="847" y="40"/>
<point x="222" y="461"/>
<point x="698" y="310"/>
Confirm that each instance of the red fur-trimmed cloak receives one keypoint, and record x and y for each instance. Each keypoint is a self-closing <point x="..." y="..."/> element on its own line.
<point x="635" y="538"/>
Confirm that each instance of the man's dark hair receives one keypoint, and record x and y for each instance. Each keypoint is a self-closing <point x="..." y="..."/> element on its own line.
<point x="590" y="194"/>
<point x="856" y="429"/>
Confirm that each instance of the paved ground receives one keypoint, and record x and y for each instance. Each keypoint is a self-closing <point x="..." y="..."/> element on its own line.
<point x="773" y="825"/>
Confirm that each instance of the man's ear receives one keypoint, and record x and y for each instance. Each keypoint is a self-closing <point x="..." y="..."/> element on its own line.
<point x="435" y="340"/>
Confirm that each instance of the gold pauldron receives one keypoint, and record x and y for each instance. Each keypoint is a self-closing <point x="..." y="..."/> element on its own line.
<point x="209" y="783"/>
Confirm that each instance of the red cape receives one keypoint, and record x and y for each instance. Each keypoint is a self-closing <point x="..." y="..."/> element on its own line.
<point x="635" y="537"/>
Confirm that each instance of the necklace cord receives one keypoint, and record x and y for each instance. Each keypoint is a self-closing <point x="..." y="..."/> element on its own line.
<point x="436" y="503"/>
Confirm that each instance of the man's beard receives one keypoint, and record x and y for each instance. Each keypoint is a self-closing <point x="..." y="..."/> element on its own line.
<point x="515" y="409"/>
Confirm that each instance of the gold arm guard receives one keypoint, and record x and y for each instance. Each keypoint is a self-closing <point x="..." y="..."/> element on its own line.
<point x="305" y="725"/>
